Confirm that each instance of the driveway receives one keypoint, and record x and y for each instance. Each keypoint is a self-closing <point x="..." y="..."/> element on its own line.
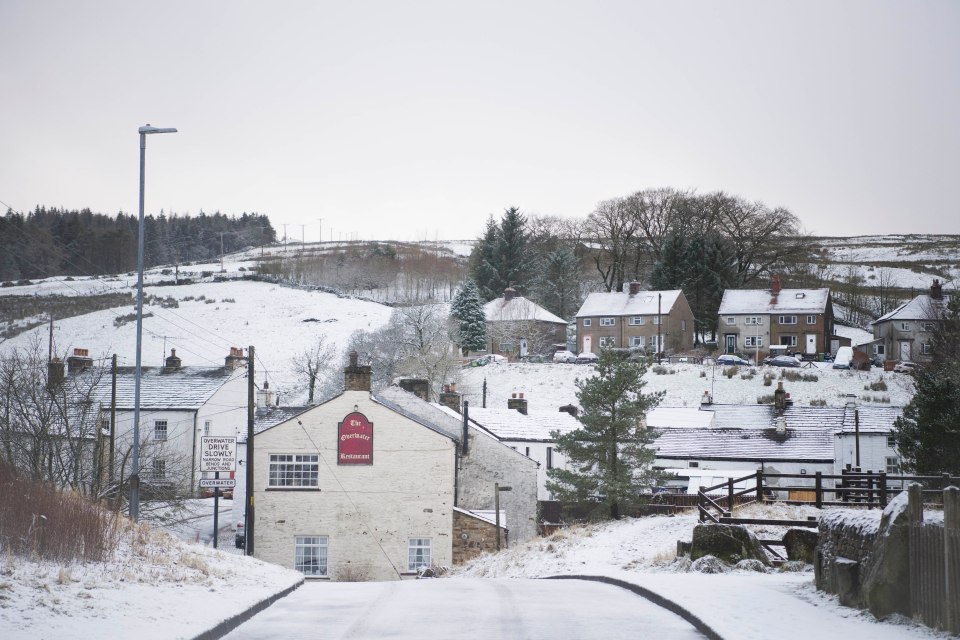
<point x="464" y="608"/>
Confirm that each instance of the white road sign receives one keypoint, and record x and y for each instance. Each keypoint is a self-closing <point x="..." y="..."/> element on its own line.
<point x="218" y="454"/>
<point x="217" y="483"/>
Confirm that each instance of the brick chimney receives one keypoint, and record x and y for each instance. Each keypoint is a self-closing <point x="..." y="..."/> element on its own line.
<point x="417" y="386"/>
<point x="79" y="361"/>
<point x="774" y="288"/>
<point x="517" y="401"/>
<point x="357" y="377"/>
<point x="509" y="294"/>
<point x="172" y="363"/>
<point x="571" y="409"/>
<point x="235" y="359"/>
<point x="54" y="373"/>
<point x="780" y="399"/>
<point x="634" y="288"/>
<point x="936" y="290"/>
<point x="450" y="398"/>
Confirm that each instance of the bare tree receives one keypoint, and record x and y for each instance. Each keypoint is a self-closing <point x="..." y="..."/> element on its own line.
<point x="614" y="227"/>
<point x="885" y="295"/>
<point x="314" y="364"/>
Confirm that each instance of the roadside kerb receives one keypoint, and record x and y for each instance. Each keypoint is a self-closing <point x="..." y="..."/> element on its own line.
<point x="235" y="621"/>
<point x="653" y="597"/>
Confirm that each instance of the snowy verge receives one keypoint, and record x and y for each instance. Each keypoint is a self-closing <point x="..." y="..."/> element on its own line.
<point x="155" y="587"/>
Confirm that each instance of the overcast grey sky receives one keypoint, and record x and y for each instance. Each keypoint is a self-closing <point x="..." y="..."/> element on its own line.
<point x="413" y="120"/>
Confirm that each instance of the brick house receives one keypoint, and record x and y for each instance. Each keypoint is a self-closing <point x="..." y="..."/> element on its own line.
<point x="517" y="327"/>
<point x="635" y="319"/>
<point x="750" y="320"/>
<point x="906" y="332"/>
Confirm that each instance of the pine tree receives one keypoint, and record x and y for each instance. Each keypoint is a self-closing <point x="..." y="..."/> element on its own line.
<point x="559" y="284"/>
<point x="484" y="267"/>
<point x="607" y="457"/>
<point x="512" y="256"/>
<point x="466" y="312"/>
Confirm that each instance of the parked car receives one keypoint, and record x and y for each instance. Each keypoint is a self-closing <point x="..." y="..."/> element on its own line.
<point x="587" y="358"/>
<point x="533" y="357"/>
<point x="905" y="366"/>
<point x="490" y="358"/>
<point x="565" y="356"/>
<point x="783" y="361"/>
<point x="240" y="539"/>
<point x="730" y="359"/>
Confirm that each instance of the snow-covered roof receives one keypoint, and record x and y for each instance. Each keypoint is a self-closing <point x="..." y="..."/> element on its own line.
<point x="622" y="303"/>
<point x="857" y="336"/>
<point x="423" y="413"/>
<point x="687" y="417"/>
<point x="266" y="417"/>
<point x="807" y="445"/>
<point x="487" y="515"/>
<point x="737" y="301"/>
<point x="185" y="388"/>
<point x="510" y="424"/>
<point x="518" y="308"/>
<point x="830" y="419"/>
<point x="922" y="307"/>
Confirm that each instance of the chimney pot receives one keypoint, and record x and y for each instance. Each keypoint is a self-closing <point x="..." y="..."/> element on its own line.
<point x="357" y="377"/>
<point x="936" y="290"/>
<point x="509" y="294"/>
<point x="634" y="288"/>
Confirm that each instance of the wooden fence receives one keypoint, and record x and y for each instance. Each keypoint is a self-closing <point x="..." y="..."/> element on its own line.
<point x="935" y="562"/>
<point x="850" y="488"/>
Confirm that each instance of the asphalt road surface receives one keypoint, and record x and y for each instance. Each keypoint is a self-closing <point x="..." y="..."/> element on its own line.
<point x="464" y="609"/>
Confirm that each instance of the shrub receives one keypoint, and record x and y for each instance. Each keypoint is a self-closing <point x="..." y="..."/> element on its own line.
<point x="209" y="301"/>
<point x="792" y="376"/>
<point x="230" y="300"/>
<point x="767" y="399"/>
<point x="809" y="377"/>
<point x="703" y="374"/>
<point x="818" y="402"/>
<point x="731" y="371"/>
<point x="879" y="385"/>
<point x="660" y="370"/>
<point x="768" y="377"/>
<point x="749" y="375"/>
<point x="39" y="521"/>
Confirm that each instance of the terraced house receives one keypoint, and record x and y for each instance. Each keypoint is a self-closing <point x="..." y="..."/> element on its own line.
<point x="906" y="333"/>
<point x="750" y="320"/>
<point x="649" y="320"/>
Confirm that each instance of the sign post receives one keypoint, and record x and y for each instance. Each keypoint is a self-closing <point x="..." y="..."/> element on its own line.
<point x="217" y="454"/>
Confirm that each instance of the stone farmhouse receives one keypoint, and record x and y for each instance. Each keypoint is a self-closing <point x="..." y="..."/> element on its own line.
<point x="906" y="332"/>
<point x="655" y="321"/>
<point x="380" y="487"/>
<point x="518" y="327"/>
<point x="751" y="320"/>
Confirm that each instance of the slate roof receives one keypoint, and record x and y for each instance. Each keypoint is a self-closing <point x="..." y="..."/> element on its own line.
<point x="266" y="417"/>
<point x="922" y="307"/>
<point x="510" y="424"/>
<point x="739" y="301"/>
<point x="622" y="303"/>
<point x="186" y="388"/>
<point x="518" y="309"/>
<point x="807" y="445"/>
<point x="424" y="413"/>
<point x="679" y="417"/>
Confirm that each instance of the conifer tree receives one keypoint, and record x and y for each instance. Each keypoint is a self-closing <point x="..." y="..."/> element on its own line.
<point x="469" y="320"/>
<point x="513" y="258"/>
<point x="607" y="457"/>
<point x="484" y="267"/>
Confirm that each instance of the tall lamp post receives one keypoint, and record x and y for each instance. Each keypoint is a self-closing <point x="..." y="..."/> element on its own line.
<point x="135" y="467"/>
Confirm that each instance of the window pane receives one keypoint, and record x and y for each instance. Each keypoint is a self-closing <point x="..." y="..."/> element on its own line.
<point x="311" y="555"/>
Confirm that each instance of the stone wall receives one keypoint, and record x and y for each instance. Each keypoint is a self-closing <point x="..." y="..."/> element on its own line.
<point x="472" y="536"/>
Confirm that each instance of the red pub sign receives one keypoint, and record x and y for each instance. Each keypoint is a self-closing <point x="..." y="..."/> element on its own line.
<point x="355" y="440"/>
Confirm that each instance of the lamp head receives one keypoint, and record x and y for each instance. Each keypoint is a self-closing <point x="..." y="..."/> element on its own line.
<point x="147" y="128"/>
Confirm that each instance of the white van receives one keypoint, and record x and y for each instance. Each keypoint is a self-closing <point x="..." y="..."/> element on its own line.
<point x="843" y="358"/>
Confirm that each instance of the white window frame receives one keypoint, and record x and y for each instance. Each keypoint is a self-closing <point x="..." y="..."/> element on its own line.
<point x="812" y="319"/>
<point x="892" y="441"/>
<point x="419" y="553"/>
<point x="925" y="348"/>
<point x="904" y="326"/>
<point x="788" y="319"/>
<point x="608" y="342"/>
<point x="893" y="465"/>
<point x="637" y="321"/>
<point x="731" y="320"/>
<point x="587" y="322"/>
<point x="608" y="322"/>
<point x="655" y="320"/>
<point x="636" y="341"/>
<point x="753" y="341"/>
<point x="926" y="326"/>
<point x="308" y="548"/>
<point x="653" y="344"/>
<point x="159" y="470"/>
<point x="160" y="429"/>
<point x="293" y="471"/>
<point x="753" y="320"/>
<point x="879" y="349"/>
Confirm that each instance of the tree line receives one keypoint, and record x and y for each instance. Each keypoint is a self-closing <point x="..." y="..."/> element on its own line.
<point x="52" y="241"/>
<point x="663" y="238"/>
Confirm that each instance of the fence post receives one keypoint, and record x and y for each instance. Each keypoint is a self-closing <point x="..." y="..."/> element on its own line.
<point x="701" y="503"/>
<point x="843" y="483"/>
<point x="883" y="489"/>
<point x="759" y="485"/>
<point x="819" y="485"/>
<point x="870" y="484"/>
<point x="730" y="497"/>
<point x="951" y="558"/>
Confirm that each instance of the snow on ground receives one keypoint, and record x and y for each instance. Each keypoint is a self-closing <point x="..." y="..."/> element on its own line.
<point x="156" y="587"/>
<point x="740" y="605"/>
<point x="550" y="386"/>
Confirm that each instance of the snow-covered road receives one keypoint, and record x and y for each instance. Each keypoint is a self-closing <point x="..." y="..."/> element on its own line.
<point x="467" y="608"/>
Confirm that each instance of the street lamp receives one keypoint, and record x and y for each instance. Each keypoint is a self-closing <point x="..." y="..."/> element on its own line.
<point x="496" y="507"/>
<point x="135" y="470"/>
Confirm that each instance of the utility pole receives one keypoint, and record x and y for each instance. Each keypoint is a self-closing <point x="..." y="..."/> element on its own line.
<point x="50" y="347"/>
<point x="320" y="232"/>
<point x="248" y="512"/>
<point x="113" y="417"/>
<point x="303" y="236"/>
<point x="659" y="320"/>
<point x="221" y="269"/>
<point x="284" y="239"/>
